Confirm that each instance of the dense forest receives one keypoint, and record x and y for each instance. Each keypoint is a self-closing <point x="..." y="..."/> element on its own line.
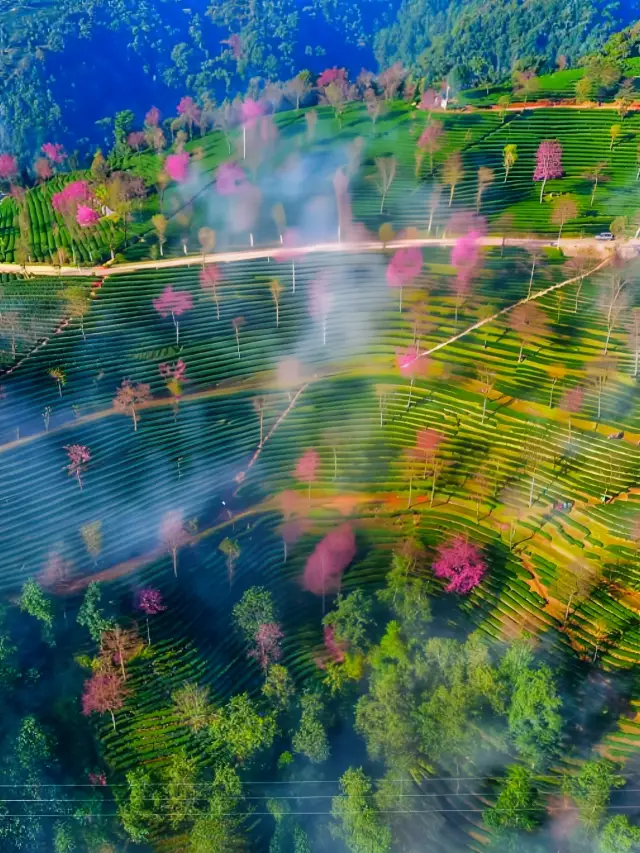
<point x="67" y="65"/>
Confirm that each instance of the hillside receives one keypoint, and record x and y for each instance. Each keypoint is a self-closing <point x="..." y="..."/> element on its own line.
<point x="324" y="537"/>
<point x="66" y="65"/>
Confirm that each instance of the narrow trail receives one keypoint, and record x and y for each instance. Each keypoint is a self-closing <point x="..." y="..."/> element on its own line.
<point x="508" y="308"/>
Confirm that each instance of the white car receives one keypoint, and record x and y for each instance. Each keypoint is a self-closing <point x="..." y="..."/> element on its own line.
<point x="605" y="235"/>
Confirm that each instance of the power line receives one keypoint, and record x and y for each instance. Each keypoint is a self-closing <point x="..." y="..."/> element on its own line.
<point x="545" y="809"/>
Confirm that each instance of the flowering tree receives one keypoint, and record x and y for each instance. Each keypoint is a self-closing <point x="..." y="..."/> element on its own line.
<point x="79" y="455"/>
<point x="209" y="278"/>
<point x="86" y="216"/>
<point x="267" y="639"/>
<point x="404" y="267"/>
<point x="548" y="162"/>
<point x="465" y="257"/>
<point x="427" y="443"/>
<point x="275" y="288"/>
<point x="177" y="166"/>
<point x="152" y="118"/>
<point x="320" y="302"/>
<point x="8" y="167"/>
<point x="306" y="470"/>
<point x="174" y="302"/>
<point x="429" y="142"/>
<point x="129" y="395"/>
<point x="117" y="647"/>
<point x="429" y="101"/>
<point x="528" y="322"/>
<point x="571" y="402"/>
<point x="54" y="151"/>
<point x="150" y="602"/>
<point x="324" y="568"/>
<point x="244" y="209"/>
<point x="229" y="178"/>
<point x="173" y="535"/>
<point x="189" y="112"/>
<point x="136" y="139"/>
<point x="461" y="563"/>
<point x="103" y="692"/>
<point x="250" y="112"/>
<point x="411" y="365"/>
<point x="335" y="649"/>
<point x="42" y="169"/>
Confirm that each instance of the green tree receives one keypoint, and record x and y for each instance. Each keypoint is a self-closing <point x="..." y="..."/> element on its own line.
<point x="90" y="615"/>
<point x="356" y="821"/>
<point x="509" y="159"/>
<point x="351" y="620"/>
<point x="217" y="828"/>
<point x="63" y="838"/>
<point x="534" y="721"/>
<point x="241" y="730"/>
<point x="122" y="124"/>
<point x="591" y="789"/>
<point x="192" y="706"/>
<point x="34" y="602"/>
<point x="278" y="686"/>
<point x="181" y="791"/>
<point x="517" y="806"/>
<point x="406" y="590"/>
<point x="615" y="131"/>
<point x="254" y="609"/>
<point x="311" y="739"/>
<point x="140" y="805"/>
<point x="619" y="836"/>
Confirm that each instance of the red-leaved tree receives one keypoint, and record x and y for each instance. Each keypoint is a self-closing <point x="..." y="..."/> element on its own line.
<point x="461" y="563"/>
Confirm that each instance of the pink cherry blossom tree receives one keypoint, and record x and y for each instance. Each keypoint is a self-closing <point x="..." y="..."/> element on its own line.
<point x="548" y="162"/>
<point x="324" y="569"/>
<point x="427" y="443"/>
<point x="404" y="267"/>
<point x="104" y="692"/>
<point x="177" y="166"/>
<point x="54" y="151"/>
<point x="209" y="279"/>
<point x="306" y="470"/>
<point x="230" y="177"/>
<point x="461" y="563"/>
<point x="173" y="535"/>
<point x="79" y="455"/>
<point x="571" y="403"/>
<point x="268" y="650"/>
<point x="250" y="112"/>
<point x="335" y="649"/>
<point x="8" y="167"/>
<point x="411" y="365"/>
<point x="152" y="118"/>
<point x="86" y="216"/>
<point x="149" y="601"/>
<point x="465" y="257"/>
<point x="190" y="113"/>
<point x="136" y="139"/>
<point x="175" y="303"/>
<point x="429" y="142"/>
<point x="320" y="302"/>
<point x="129" y="396"/>
<point x="42" y="168"/>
